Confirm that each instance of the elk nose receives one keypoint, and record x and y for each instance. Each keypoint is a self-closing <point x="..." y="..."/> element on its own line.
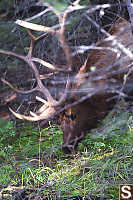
<point x="68" y="148"/>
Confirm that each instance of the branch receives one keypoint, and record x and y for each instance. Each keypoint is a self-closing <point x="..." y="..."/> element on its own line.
<point x="112" y="38"/>
<point x="130" y="11"/>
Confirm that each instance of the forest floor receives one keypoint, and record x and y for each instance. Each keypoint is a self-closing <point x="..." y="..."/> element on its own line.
<point x="33" y="166"/>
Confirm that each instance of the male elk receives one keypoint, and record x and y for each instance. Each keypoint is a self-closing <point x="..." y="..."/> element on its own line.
<point x="99" y="79"/>
<point x="110" y="63"/>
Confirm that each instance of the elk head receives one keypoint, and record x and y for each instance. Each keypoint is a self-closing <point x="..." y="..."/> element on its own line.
<point x="77" y="120"/>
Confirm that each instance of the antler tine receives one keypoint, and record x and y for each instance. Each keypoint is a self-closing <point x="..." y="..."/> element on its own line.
<point x="61" y="37"/>
<point x="17" y="90"/>
<point x="49" y="112"/>
<point x="48" y="65"/>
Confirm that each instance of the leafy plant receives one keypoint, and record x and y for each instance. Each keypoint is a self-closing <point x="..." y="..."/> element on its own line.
<point x="7" y="132"/>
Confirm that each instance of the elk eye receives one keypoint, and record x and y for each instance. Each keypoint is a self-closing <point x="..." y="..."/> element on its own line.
<point x="73" y="116"/>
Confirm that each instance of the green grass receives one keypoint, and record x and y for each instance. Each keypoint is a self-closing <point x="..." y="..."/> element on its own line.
<point x="32" y="158"/>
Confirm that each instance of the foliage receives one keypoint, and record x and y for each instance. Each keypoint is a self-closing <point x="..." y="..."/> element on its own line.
<point x="7" y="132"/>
<point x="97" y="167"/>
<point x="58" y="5"/>
<point x="6" y="4"/>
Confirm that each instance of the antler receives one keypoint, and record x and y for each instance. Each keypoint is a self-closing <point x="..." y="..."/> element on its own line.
<point x="50" y="105"/>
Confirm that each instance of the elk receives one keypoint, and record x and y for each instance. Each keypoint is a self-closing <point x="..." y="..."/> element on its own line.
<point x="110" y="65"/>
<point x="86" y="98"/>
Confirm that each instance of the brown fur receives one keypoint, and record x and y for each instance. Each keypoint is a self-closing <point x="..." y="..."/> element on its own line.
<point x="79" y="119"/>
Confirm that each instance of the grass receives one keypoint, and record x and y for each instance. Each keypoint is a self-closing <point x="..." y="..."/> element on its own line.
<point x="33" y="163"/>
